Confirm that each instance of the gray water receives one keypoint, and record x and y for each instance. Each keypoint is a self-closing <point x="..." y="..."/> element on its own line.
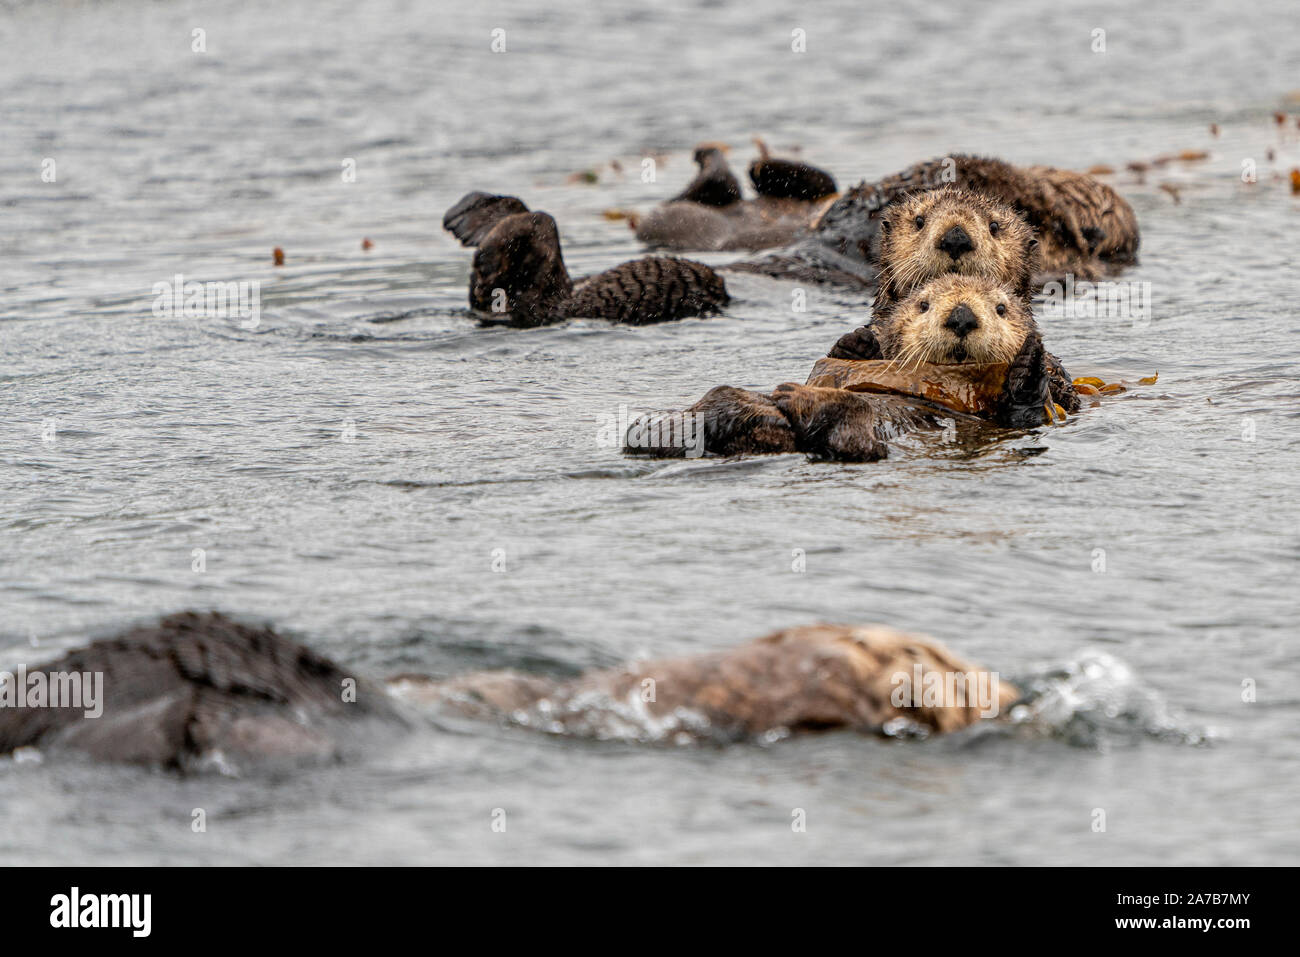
<point x="475" y="444"/>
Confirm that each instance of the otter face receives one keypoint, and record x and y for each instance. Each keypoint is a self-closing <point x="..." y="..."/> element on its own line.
<point x="952" y="230"/>
<point x="955" y="319"/>
<point x="518" y="269"/>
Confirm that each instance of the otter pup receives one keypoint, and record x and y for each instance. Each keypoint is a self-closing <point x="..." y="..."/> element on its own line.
<point x="1083" y="225"/>
<point x="968" y="330"/>
<point x="200" y="691"/>
<point x="715" y="185"/>
<point x="519" y="274"/>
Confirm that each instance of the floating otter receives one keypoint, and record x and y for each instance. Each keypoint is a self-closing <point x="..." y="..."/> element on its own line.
<point x="950" y="230"/>
<point x="711" y="215"/>
<point x="519" y="275"/>
<point x="1084" y="227"/>
<point x="200" y="690"/>
<point x="957" y="346"/>
<point x="812" y="678"/>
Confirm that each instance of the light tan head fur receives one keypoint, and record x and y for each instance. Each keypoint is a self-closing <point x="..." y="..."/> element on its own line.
<point x="952" y="230"/>
<point x="955" y="319"/>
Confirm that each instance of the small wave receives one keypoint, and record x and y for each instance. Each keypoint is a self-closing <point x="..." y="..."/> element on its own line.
<point x="595" y="714"/>
<point x="1097" y="700"/>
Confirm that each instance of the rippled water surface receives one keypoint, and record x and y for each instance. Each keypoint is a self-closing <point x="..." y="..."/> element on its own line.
<point x="473" y="445"/>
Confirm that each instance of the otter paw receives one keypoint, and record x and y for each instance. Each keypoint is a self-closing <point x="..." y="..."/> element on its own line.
<point x="832" y="423"/>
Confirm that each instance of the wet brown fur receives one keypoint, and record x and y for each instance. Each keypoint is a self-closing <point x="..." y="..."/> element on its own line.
<point x="811" y="678"/>
<point x="1083" y="226"/>
<point x="198" y="691"/>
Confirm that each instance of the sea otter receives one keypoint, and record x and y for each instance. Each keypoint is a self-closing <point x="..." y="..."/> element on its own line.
<point x="950" y="230"/>
<point x="811" y="678"/>
<point x="519" y="276"/>
<point x="199" y="691"/>
<point x="1084" y="227"/>
<point x="974" y="340"/>
<point x="710" y="214"/>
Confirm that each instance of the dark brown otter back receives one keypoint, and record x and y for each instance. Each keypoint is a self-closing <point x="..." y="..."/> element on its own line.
<point x="655" y="289"/>
<point x="197" y="684"/>
<point x="1080" y="220"/>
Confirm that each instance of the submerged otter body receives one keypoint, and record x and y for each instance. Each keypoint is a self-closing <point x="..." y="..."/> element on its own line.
<point x="976" y="339"/>
<point x="710" y="214"/>
<point x="1084" y="227"/>
<point x="812" y="678"/>
<point x="200" y="691"/>
<point x="519" y="275"/>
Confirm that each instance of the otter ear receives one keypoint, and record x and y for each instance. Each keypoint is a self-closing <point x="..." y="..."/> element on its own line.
<point x="884" y="225"/>
<point x="1033" y="244"/>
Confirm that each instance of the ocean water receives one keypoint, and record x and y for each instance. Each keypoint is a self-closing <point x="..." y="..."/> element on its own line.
<point x="354" y="466"/>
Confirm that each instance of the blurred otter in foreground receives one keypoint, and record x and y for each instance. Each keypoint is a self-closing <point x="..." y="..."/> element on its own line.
<point x="197" y="691"/>
<point x="519" y="277"/>
<point x="711" y="213"/>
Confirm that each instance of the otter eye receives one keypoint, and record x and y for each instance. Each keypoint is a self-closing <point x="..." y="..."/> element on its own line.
<point x="920" y="222"/>
<point x="1002" y="309"/>
<point x="923" y="306"/>
<point x="994" y="227"/>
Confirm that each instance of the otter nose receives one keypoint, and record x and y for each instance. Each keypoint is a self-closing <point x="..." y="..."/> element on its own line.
<point x="961" y="321"/>
<point x="955" y="242"/>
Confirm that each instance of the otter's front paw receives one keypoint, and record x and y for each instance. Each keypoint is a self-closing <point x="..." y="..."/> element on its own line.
<point x="861" y="343"/>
